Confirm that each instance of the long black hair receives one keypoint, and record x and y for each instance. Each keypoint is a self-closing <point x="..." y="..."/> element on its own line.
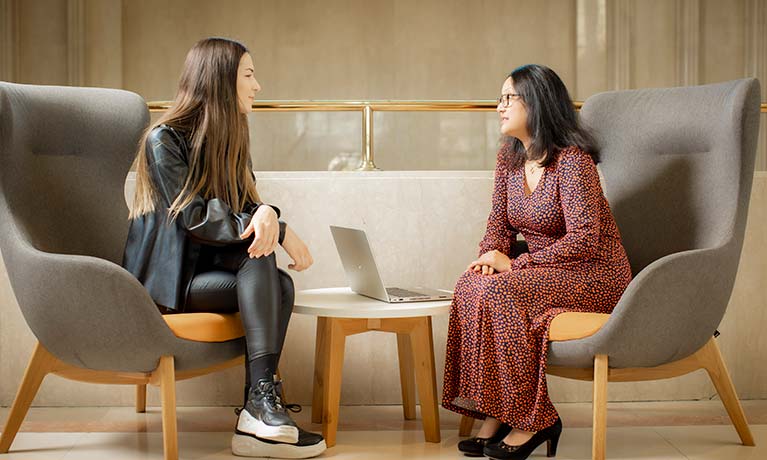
<point x="551" y="119"/>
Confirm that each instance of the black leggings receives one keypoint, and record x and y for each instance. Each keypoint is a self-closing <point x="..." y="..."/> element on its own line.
<point x="227" y="280"/>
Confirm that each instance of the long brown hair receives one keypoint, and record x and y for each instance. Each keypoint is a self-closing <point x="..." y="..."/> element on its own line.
<point x="206" y="110"/>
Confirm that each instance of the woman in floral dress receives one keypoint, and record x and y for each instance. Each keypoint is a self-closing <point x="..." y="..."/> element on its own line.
<point x="546" y="188"/>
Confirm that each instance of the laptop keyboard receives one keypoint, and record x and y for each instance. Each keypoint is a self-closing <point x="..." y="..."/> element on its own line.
<point x="397" y="292"/>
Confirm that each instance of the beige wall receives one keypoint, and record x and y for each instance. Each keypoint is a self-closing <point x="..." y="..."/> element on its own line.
<point x="388" y="49"/>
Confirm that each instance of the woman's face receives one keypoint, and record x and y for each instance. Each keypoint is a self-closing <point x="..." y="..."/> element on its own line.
<point x="247" y="86"/>
<point x="514" y="115"/>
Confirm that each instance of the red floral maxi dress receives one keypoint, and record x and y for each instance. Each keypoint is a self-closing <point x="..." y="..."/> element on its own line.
<point x="497" y="336"/>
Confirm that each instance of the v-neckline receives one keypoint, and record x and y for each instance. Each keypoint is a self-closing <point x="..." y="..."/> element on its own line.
<point x="526" y="186"/>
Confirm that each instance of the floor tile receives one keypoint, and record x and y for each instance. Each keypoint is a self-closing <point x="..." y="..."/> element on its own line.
<point x="379" y="432"/>
<point x="41" y="446"/>
<point x="148" y="446"/>
<point x="715" y="442"/>
<point x="623" y="443"/>
<point x="374" y="418"/>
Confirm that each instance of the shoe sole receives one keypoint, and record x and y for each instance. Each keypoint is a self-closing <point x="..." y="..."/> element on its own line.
<point x="248" y="446"/>
<point x="282" y="433"/>
<point x="471" y="453"/>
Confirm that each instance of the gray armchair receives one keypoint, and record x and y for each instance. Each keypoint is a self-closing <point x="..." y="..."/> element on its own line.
<point x="64" y="156"/>
<point x="678" y="164"/>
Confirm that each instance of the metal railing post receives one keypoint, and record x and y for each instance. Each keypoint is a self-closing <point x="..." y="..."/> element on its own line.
<point x="367" y="163"/>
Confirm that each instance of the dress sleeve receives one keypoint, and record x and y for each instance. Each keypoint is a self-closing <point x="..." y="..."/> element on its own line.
<point x="499" y="235"/>
<point x="209" y="222"/>
<point x="580" y="195"/>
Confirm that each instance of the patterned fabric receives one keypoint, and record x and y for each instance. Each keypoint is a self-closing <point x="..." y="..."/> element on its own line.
<point x="497" y="336"/>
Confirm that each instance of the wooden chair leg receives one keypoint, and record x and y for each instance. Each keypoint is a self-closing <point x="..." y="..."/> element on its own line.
<point x="331" y="378"/>
<point x="426" y="378"/>
<point x="40" y="364"/>
<point x="140" y="399"/>
<point x="167" y="379"/>
<point x="467" y="424"/>
<point x="320" y="352"/>
<point x="711" y="359"/>
<point x="599" y="433"/>
<point x="406" y="375"/>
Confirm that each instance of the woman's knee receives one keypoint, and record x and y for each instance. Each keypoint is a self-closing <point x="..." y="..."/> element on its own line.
<point x="288" y="290"/>
<point x="263" y="264"/>
<point x="465" y="282"/>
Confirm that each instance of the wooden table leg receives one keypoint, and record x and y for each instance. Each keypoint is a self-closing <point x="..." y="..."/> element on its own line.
<point x="426" y="377"/>
<point x="336" y="339"/>
<point x="320" y="352"/>
<point x="406" y="375"/>
<point x="141" y="398"/>
<point x="467" y="423"/>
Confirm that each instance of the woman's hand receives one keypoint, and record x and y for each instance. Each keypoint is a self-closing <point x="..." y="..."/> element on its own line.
<point x="266" y="232"/>
<point x="490" y="262"/>
<point x="297" y="251"/>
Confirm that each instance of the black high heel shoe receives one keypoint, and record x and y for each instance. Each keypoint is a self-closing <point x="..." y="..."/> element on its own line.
<point x="503" y="451"/>
<point x="473" y="447"/>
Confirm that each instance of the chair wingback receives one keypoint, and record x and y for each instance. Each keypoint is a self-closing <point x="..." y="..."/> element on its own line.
<point x="65" y="153"/>
<point x="678" y="165"/>
<point x="64" y="157"/>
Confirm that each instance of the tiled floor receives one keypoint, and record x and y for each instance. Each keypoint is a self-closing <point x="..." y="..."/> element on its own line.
<point x="647" y="431"/>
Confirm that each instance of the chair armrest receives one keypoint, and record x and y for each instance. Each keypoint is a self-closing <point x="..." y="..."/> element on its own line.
<point x="667" y="312"/>
<point x="572" y="325"/>
<point x="87" y="311"/>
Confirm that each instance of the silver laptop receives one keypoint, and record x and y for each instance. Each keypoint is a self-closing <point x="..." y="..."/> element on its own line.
<point x="362" y="272"/>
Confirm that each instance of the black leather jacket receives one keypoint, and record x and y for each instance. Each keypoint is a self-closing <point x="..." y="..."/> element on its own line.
<point x="163" y="253"/>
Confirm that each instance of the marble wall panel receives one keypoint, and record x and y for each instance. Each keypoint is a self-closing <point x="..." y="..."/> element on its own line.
<point x="103" y="43"/>
<point x="722" y="40"/>
<point x="42" y="34"/>
<point x="653" y="44"/>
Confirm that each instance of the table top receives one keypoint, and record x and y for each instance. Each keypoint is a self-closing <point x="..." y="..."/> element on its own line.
<point x="341" y="302"/>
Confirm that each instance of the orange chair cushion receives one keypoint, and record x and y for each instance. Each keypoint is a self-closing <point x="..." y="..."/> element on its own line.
<point x="205" y="327"/>
<point x="576" y="325"/>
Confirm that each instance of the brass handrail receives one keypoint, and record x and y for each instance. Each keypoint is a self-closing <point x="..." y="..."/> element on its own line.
<point x="367" y="108"/>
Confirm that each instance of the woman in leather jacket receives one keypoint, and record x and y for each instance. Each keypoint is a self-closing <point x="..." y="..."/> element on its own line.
<point x="201" y="240"/>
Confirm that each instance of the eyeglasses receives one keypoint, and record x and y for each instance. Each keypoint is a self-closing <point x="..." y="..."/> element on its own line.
<point x="506" y="100"/>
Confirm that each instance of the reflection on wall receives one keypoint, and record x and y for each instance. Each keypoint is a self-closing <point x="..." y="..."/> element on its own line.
<point x="345" y="161"/>
<point x="301" y="141"/>
<point x="436" y="140"/>
<point x="332" y="141"/>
